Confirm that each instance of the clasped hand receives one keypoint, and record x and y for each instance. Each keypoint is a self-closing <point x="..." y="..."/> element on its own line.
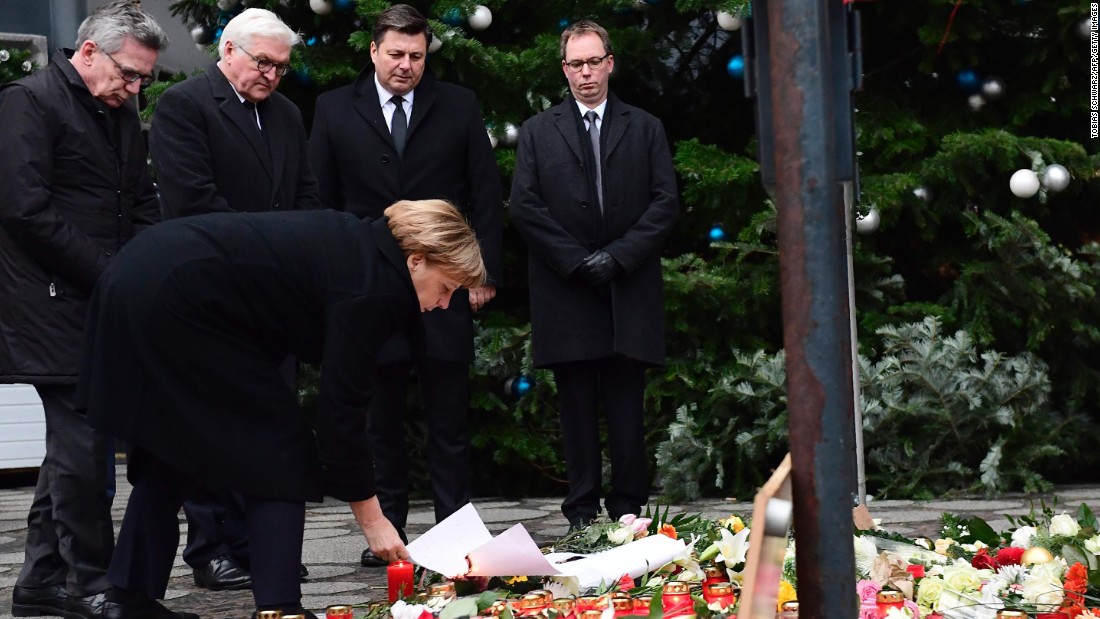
<point x="598" y="268"/>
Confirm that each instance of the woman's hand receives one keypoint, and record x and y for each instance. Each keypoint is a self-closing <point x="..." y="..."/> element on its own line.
<point x="381" y="536"/>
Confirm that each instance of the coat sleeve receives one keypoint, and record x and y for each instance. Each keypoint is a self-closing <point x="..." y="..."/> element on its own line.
<point x="647" y="235"/>
<point x="354" y="333"/>
<point x="306" y="197"/>
<point x="26" y="212"/>
<point x="547" y="239"/>
<point x="486" y="209"/>
<point x="321" y="158"/>
<point x="179" y="142"/>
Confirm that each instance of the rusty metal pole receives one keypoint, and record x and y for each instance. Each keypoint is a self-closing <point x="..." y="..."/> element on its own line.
<point x="802" y="78"/>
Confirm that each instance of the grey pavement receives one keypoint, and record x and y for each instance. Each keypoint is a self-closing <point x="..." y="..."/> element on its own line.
<point x="333" y="541"/>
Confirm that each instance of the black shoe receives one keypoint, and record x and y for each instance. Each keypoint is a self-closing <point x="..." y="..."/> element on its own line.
<point x="89" y="607"/>
<point x="223" y="574"/>
<point x="369" y="559"/>
<point x="578" y="524"/>
<point x="303" y="573"/>
<point x="147" y="609"/>
<point x="37" y="601"/>
<point x="288" y="611"/>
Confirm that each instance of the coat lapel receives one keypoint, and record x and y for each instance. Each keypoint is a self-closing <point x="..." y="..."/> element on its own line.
<point x="567" y="126"/>
<point x="276" y="142"/>
<point x="368" y="106"/>
<point x="422" y="102"/>
<point x="239" y="115"/>
<point x="614" y="130"/>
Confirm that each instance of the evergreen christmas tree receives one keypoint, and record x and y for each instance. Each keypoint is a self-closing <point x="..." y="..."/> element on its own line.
<point x="958" y="96"/>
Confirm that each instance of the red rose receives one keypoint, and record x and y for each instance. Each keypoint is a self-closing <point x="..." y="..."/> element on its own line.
<point x="1009" y="556"/>
<point x="983" y="561"/>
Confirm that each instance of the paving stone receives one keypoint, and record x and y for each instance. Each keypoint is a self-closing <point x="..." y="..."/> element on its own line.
<point x="8" y="581"/>
<point x="317" y="572"/>
<point x="331" y="586"/>
<point x="11" y="558"/>
<point x="318" y="603"/>
<point x="322" y="533"/>
<point x="963" y="505"/>
<point x="6" y="540"/>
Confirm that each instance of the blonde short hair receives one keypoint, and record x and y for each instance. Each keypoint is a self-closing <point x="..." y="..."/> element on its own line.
<point x="439" y="232"/>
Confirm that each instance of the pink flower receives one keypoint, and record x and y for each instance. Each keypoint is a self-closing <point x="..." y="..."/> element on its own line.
<point x="914" y="610"/>
<point x="866" y="589"/>
<point x="868" y="611"/>
<point x="627" y="519"/>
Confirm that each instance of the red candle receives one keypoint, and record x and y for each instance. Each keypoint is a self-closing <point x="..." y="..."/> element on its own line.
<point x="720" y="592"/>
<point x="1055" y="615"/>
<point x="676" y="600"/>
<point x="399" y="580"/>
<point x="887" y="599"/>
<point x="916" y="569"/>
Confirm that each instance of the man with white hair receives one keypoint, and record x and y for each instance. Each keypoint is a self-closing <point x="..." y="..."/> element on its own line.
<point x="225" y="141"/>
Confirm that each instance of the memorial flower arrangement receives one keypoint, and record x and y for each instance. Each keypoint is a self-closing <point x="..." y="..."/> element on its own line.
<point x="1046" y="566"/>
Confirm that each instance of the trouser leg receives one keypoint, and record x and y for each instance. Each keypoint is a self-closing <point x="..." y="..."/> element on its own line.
<point x="446" y="389"/>
<point x="80" y="535"/>
<point x="276" y="529"/>
<point x="386" y="435"/>
<point x="622" y="388"/>
<point x="577" y="393"/>
<point x="42" y="564"/>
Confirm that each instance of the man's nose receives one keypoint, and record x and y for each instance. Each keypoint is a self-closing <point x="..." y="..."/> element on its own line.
<point x="133" y="87"/>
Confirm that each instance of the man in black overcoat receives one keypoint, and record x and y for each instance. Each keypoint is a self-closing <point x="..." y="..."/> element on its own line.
<point x="594" y="195"/>
<point x="225" y="141"/>
<point x="367" y="153"/>
<point x="76" y="189"/>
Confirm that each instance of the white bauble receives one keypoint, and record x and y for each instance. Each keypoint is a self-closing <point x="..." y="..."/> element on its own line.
<point x="437" y="42"/>
<point x="321" y="7"/>
<point x="1085" y="28"/>
<point x="976" y="102"/>
<point x="868" y="223"/>
<point x="481" y="18"/>
<point x="228" y="5"/>
<point x="511" y="134"/>
<point x="923" y="193"/>
<point x="1024" y="183"/>
<point x="728" y="21"/>
<point x="1056" y="177"/>
<point x="993" y="88"/>
<point x="492" y="138"/>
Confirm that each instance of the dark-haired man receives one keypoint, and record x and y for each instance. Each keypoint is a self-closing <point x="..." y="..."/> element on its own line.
<point x="397" y="133"/>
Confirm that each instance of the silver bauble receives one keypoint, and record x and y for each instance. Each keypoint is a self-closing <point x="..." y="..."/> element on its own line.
<point x="868" y="222"/>
<point x="228" y="5"/>
<point x="1085" y="28"/>
<point x="1056" y="177"/>
<point x="437" y="42"/>
<point x="511" y="134"/>
<point x="976" y="102"/>
<point x="492" y="138"/>
<point x="481" y="17"/>
<point x="321" y="7"/>
<point x="924" y="194"/>
<point x="993" y="88"/>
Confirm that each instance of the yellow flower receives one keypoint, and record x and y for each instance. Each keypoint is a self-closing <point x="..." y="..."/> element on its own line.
<point x="943" y="544"/>
<point x="732" y="523"/>
<point x="786" y="594"/>
<point x="513" y="580"/>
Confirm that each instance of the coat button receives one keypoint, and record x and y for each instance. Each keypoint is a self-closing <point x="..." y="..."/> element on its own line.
<point x="584" y="203"/>
<point x="108" y="252"/>
<point x="274" y="206"/>
<point x="385" y="159"/>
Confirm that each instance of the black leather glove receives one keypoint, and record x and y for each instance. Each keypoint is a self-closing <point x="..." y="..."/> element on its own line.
<point x="598" y="268"/>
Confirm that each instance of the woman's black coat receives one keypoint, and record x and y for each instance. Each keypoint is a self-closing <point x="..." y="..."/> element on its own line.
<point x="188" y="326"/>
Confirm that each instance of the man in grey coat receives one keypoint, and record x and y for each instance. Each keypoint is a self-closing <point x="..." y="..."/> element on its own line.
<point x="76" y="188"/>
<point x="594" y="195"/>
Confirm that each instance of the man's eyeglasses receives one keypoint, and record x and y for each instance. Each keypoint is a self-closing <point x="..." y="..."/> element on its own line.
<point x="593" y="63"/>
<point x="129" y="75"/>
<point x="263" y="65"/>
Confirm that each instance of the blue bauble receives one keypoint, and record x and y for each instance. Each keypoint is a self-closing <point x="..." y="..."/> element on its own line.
<point x="218" y="34"/>
<point x="717" y="233"/>
<point x="968" y="81"/>
<point x="518" y="386"/>
<point x="453" y="16"/>
<point x="311" y="41"/>
<point x="563" y="23"/>
<point x="302" y="75"/>
<point x="344" y="5"/>
<point x="736" y="67"/>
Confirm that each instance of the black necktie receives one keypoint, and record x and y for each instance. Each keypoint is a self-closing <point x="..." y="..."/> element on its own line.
<point x="253" y="114"/>
<point x="399" y="125"/>
<point x="594" y="136"/>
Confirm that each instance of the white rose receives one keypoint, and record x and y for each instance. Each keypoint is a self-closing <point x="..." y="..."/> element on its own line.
<point x="961" y="577"/>
<point x="1052" y="570"/>
<point x="1093" y="545"/>
<point x="1044" y="592"/>
<point x="1064" y="524"/>
<point x="1021" y="538"/>
<point x="620" y="535"/>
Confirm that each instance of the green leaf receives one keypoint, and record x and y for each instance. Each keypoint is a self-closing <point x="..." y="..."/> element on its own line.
<point x="462" y="607"/>
<point x="981" y="531"/>
<point x="1086" y="518"/>
<point x="1072" y="554"/>
<point x="486" y="599"/>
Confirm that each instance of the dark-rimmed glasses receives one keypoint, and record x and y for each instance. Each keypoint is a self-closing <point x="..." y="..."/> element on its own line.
<point x="593" y="63"/>
<point x="263" y="65"/>
<point x="129" y="75"/>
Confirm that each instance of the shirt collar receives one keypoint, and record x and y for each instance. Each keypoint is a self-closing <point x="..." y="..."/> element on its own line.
<point x="599" y="109"/>
<point x="384" y="95"/>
